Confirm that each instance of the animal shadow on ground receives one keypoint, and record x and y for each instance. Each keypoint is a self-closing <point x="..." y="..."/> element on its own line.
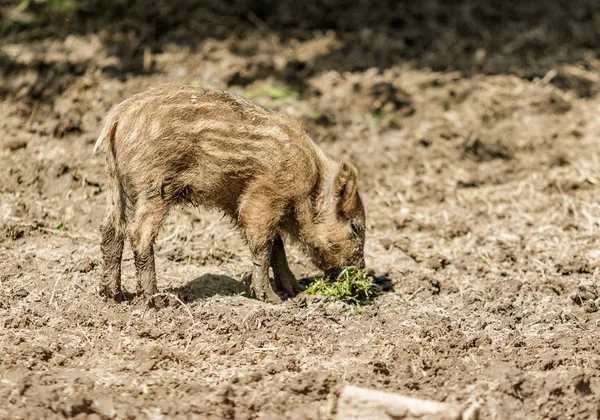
<point x="209" y="285"/>
<point x="383" y="283"/>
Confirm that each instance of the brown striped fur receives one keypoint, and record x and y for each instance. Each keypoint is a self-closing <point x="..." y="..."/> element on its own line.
<point x="181" y="144"/>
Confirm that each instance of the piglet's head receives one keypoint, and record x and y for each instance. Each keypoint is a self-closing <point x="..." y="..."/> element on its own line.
<point x="341" y="223"/>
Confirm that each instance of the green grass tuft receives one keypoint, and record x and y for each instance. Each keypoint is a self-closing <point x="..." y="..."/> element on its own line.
<point x="385" y="119"/>
<point x="352" y="286"/>
<point x="276" y="93"/>
<point x="282" y="94"/>
<point x="63" y="5"/>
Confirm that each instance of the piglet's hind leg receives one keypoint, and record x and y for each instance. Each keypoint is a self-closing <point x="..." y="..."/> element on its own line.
<point x="148" y="219"/>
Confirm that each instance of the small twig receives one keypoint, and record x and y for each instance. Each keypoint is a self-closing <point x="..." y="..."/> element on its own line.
<point x="21" y="287"/>
<point x="171" y="277"/>
<point x="147" y="58"/>
<point x="412" y="296"/>
<point x="171" y="236"/>
<point x="84" y="334"/>
<point x="19" y="9"/>
<point x="258" y="22"/>
<point x="54" y="289"/>
<point x="549" y="76"/>
<point x="32" y="115"/>
<point x="65" y="234"/>
<point x="266" y="349"/>
<point x="189" y="341"/>
<point x="57" y="232"/>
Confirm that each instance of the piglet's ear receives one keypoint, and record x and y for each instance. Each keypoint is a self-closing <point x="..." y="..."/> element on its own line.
<point x="346" y="187"/>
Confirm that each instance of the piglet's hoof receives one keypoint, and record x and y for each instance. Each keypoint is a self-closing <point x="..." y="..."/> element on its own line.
<point x="116" y="296"/>
<point x="266" y="296"/>
<point x="274" y="298"/>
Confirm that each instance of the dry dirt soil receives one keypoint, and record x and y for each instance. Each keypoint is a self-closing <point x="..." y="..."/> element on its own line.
<point x="475" y="126"/>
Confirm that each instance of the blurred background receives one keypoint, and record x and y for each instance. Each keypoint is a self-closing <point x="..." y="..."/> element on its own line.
<point x="475" y="127"/>
<point x="318" y="53"/>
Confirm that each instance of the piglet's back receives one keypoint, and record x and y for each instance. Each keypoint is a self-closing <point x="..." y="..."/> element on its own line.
<point x="207" y="146"/>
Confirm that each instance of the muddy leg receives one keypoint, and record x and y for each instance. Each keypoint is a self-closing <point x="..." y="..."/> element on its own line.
<point x="284" y="278"/>
<point x="259" y="216"/>
<point x="148" y="219"/>
<point x="113" y="238"/>
<point x="260" y="285"/>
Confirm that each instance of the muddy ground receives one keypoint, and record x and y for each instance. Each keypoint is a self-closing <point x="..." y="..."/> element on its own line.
<point x="476" y="132"/>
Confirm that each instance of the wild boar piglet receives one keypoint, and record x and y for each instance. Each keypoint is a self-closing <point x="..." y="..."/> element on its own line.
<point x="180" y="144"/>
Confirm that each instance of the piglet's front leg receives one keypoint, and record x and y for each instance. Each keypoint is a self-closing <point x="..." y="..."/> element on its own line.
<point x="260" y="285"/>
<point x="260" y="214"/>
<point x="284" y="278"/>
